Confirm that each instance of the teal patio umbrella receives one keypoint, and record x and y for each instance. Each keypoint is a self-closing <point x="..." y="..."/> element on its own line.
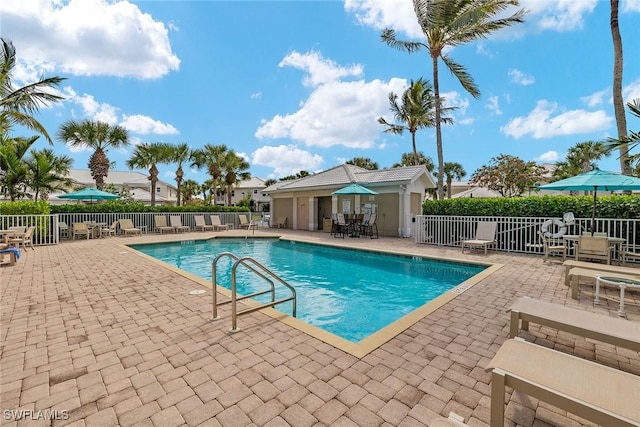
<point x="595" y="180"/>
<point x="89" y="193"/>
<point x="354" y="189"/>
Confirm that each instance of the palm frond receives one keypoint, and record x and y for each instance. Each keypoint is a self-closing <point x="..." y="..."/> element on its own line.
<point x="389" y="37"/>
<point x="466" y="80"/>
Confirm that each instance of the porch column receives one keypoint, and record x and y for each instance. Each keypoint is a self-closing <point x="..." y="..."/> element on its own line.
<point x="404" y="210"/>
<point x="313" y="213"/>
<point x="294" y="220"/>
<point x="334" y="205"/>
<point x="356" y="208"/>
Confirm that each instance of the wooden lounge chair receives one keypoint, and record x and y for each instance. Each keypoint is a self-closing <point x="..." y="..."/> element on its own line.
<point x="485" y="236"/>
<point x="160" y="222"/>
<point x="176" y="223"/>
<point x="217" y="224"/>
<point x="127" y="227"/>
<point x="598" y="393"/>
<point x="244" y="222"/>
<point x="583" y="323"/>
<point x="201" y="224"/>
<point x="571" y="264"/>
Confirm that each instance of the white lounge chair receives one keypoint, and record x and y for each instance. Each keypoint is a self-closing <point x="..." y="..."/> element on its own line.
<point x="217" y="224"/>
<point x="244" y="222"/>
<point x="176" y="223"/>
<point x="161" y="224"/>
<point x="127" y="227"/>
<point x="485" y="236"/>
<point x="201" y="224"/>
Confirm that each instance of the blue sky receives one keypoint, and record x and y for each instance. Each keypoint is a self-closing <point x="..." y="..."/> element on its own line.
<point x="298" y="85"/>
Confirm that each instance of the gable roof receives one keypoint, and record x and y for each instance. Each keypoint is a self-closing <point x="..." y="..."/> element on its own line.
<point x="83" y="176"/>
<point x="346" y="174"/>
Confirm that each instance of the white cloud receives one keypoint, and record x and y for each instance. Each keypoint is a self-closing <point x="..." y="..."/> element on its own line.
<point x="520" y="78"/>
<point x="541" y="123"/>
<point x="494" y="106"/>
<point x="632" y="90"/>
<point x="481" y="49"/>
<point x="336" y="113"/>
<point x="93" y="109"/>
<point x="88" y="37"/>
<point x="595" y="98"/>
<point x="144" y="125"/>
<point x="630" y="6"/>
<point x="381" y="14"/>
<point x="559" y="15"/>
<point x="548" y="157"/>
<point x="286" y="159"/>
<point x="256" y="95"/>
<point x="319" y="70"/>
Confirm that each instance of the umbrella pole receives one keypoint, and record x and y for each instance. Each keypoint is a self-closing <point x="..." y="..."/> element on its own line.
<point x="593" y="211"/>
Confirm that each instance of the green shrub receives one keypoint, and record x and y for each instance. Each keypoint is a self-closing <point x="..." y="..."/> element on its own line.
<point x="24" y="207"/>
<point x="617" y="206"/>
<point x="117" y="206"/>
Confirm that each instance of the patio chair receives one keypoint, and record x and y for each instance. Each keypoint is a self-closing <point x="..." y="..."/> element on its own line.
<point x="127" y="227"/>
<point x="282" y="222"/>
<point x="342" y="227"/>
<point x="485" y="236"/>
<point x="160" y="222"/>
<point x="551" y="246"/>
<point x="628" y="254"/>
<point x="244" y="222"/>
<point x="201" y="224"/>
<point x="63" y="229"/>
<point x="109" y="231"/>
<point x="594" y="247"/>
<point x="79" y="229"/>
<point x="23" y="239"/>
<point x="176" y="223"/>
<point x="368" y="226"/>
<point x="217" y="224"/>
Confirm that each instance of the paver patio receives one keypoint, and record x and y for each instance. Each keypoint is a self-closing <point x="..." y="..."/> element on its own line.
<point x="89" y="328"/>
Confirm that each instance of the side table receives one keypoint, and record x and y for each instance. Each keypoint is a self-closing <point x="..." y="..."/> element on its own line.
<point x="622" y="283"/>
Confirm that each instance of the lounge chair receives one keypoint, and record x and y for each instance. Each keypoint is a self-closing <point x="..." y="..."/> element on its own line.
<point x="597" y="393"/>
<point x="282" y="222"/>
<point x="23" y="239"/>
<point x="217" y="224"/>
<point x="485" y="236"/>
<point x="201" y="224"/>
<point x="244" y="222"/>
<point x="160" y="222"/>
<point x="109" y="231"/>
<point x="594" y="247"/>
<point x="80" y="229"/>
<point x="551" y="246"/>
<point x="176" y="223"/>
<point x="127" y="227"/>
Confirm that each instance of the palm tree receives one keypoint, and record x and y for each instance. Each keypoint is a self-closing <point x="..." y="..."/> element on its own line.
<point x="450" y="23"/>
<point x="618" y="103"/>
<point x="189" y="189"/>
<point x="364" y="162"/>
<point x="148" y="155"/>
<point x="47" y="172"/>
<point x="19" y="105"/>
<point x="633" y="139"/>
<point x="97" y="135"/>
<point x="180" y="154"/>
<point x="235" y="170"/>
<point x="211" y="157"/>
<point x="13" y="170"/>
<point x="417" y="111"/>
<point x="409" y="159"/>
<point x="453" y="170"/>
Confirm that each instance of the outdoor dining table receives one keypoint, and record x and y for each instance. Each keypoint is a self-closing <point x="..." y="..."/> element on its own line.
<point x="94" y="228"/>
<point x="574" y="238"/>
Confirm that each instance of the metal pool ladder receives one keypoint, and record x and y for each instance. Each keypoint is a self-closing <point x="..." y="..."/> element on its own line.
<point x="260" y="271"/>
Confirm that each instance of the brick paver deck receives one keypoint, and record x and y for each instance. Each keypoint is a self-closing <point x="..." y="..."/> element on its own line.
<point x="110" y="338"/>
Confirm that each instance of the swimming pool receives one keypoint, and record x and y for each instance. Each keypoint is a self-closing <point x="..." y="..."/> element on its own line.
<point x="349" y="293"/>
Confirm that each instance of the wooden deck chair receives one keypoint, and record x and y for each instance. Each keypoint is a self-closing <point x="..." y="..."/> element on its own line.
<point x="161" y="224"/>
<point x="80" y="229"/>
<point x="217" y="224"/>
<point x="594" y="247"/>
<point x="244" y="222"/>
<point x="109" y="231"/>
<point x="176" y="223"/>
<point x="201" y="224"/>
<point x="485" y="236"/>
<point x="127" y="227"/>
<point x="551" y="246"/>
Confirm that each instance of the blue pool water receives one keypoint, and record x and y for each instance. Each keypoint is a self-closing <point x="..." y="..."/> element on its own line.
<point x="349" y="293"/>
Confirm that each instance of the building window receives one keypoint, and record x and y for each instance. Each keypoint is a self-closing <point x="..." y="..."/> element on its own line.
<point x="157" y="189"/>
<point x="233" y="193"/>
<point x="255" y="191"/>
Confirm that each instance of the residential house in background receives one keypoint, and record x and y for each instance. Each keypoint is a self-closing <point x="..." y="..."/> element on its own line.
<point x="252" y="189"/>
<point x="136" y="183"/>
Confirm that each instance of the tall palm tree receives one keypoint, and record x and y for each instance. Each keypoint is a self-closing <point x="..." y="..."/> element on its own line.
<point x="148" y="155"/>
<point x="235" y="169"/>
<point x="453" y="170"/>
<point x="365" y="163"/>
<point x="618" y="103"/>
<point x="416" y="111"/>
<point x="633" y="139"/>
<point x="409" y="159"/>
<point x="47" y="172"/>
<point x="211" y="157"/>
<point x="13" y="170"/>
<point x="450" y="23"/>
<point x="19" y="105"/>
<point x="97" y="135"/>
<point x="189" y="189"/>
<point x="180" y="154"/>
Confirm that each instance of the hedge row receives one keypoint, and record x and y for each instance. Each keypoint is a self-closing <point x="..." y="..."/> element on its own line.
<point x="115" y="206"/>
<point x="24" y="207"/>
<point x="617" y="206"/>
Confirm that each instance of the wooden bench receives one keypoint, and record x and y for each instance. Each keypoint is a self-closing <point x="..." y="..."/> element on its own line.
<point x="576" y="273"/>
<point x="612" y="330"/>
<point x="569" y="264"/>
<point x="598" y="393"/>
